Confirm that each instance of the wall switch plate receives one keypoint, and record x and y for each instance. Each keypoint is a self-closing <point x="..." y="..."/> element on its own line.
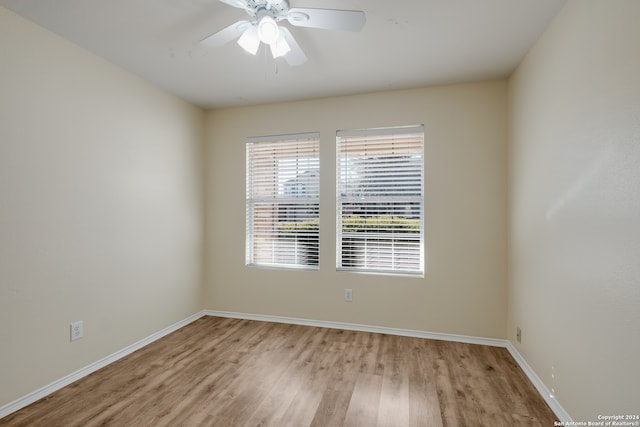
<point x="76" y="330"/>
<point x="348" y="295"/>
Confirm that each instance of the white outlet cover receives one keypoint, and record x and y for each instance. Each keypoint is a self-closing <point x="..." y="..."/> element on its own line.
<point x="76" y="330"/>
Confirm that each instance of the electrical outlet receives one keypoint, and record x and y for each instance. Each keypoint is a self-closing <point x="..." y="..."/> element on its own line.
<point x="76" y="330"/>
<point x="348" y="295"/>
<point x="519" y="335"/>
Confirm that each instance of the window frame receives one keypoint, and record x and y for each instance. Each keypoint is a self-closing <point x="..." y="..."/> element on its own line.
<point x="365" y="248"/>
<point x="300" y="151"/>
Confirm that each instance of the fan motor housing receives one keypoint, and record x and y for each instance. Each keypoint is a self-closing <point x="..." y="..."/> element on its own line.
<point x="277" y="9"/>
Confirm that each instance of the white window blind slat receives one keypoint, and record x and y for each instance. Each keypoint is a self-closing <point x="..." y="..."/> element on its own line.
<point x="282" y="201"/>
<point x="380" y="198"/>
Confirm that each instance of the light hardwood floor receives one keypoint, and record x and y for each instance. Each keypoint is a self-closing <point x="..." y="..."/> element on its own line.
<point x="229" y="372"/>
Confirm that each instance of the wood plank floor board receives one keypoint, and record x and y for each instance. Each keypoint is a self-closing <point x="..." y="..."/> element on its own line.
<point x="503" y="386"/>
<point x="422" y="385"/>
<point x="280" y="396"/>
<point x="394" y="407"/>
<point x="364" y="403"/>
<point x="335" y="400"/>
<point x="304" y="406"/>
<point x="232" y="372"/>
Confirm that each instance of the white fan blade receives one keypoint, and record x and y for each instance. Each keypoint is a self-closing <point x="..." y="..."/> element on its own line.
<point x="240" y="4"/>
<point x="226" y="35"/>
<point x="331" y="19"/>
<point x="295" y="56"/>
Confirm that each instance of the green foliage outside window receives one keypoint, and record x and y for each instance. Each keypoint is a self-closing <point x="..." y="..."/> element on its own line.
<point x="358" y="224"/>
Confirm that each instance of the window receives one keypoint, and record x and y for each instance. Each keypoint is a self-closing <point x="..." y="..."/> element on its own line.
<point x="380" y="214"/>
<point x="282" y="201"/>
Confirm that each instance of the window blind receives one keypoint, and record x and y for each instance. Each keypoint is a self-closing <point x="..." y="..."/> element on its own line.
<point x="380" y="213"/>
<point x="282" y="201"/>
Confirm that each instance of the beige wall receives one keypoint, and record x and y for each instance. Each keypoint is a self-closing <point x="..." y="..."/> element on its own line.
<point x="575" y="207"/>
<point x="101" y="210"/>
<point x="464" y="288"/>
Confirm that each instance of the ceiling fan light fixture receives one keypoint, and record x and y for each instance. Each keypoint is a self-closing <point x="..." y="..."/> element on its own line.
<point x="262" y="27"/>
<point x="249" y="40"/>
<point x="268" y="30"/>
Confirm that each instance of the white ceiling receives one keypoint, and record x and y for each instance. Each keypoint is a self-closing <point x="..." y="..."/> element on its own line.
<point x="404" y="44"/>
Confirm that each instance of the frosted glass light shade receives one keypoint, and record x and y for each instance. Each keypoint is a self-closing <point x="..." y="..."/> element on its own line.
<point x="280" y="47"/>
<point x="268" y="30"/>
<point x="249" y="40"/>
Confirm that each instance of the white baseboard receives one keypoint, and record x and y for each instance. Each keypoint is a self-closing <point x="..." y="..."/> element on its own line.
<point x="74" y="376"/>
<point x="539" y="385"/>
<point x="362" y="328"/>
<point x="63" y="382"/>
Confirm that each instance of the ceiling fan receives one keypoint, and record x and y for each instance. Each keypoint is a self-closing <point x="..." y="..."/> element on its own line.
<point x="263" y="26"/>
